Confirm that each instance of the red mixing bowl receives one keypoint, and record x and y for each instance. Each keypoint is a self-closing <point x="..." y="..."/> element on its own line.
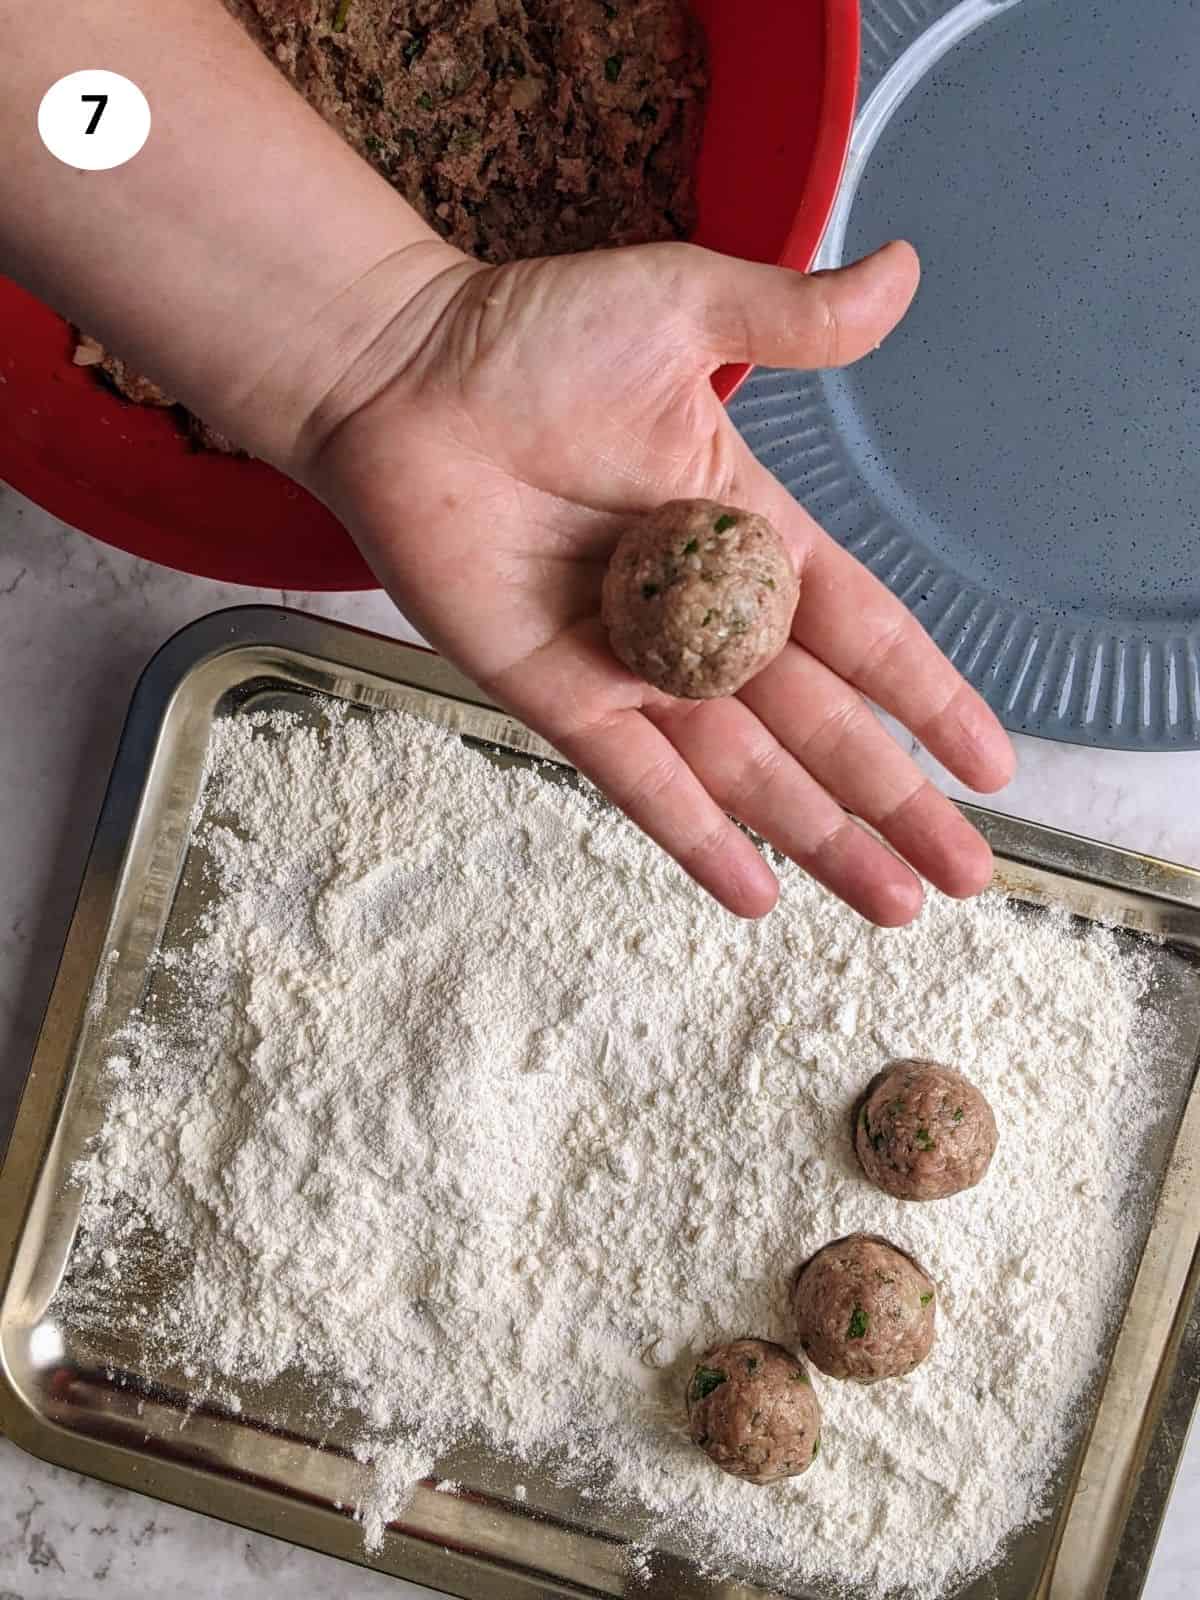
<point x="784" y="80"/>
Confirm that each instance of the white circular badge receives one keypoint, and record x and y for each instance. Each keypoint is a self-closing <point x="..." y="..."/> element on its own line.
<point x="94" y="120"/>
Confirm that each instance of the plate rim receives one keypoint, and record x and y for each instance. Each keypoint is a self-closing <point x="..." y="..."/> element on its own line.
<point x="1132" y="686"/>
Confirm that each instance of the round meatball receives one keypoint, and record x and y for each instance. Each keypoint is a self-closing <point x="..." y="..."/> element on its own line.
<point x="924" y="1132"/>
<point x="698" y="597"/>
<point x="865" y="1310"/>
<point x="752" y="1410"/>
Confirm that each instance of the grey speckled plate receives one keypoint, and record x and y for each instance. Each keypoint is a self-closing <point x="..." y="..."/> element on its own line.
<point x="1020" y="462"/>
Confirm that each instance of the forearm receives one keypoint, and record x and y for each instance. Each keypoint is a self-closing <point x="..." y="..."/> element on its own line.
<point x="245" y="257"/>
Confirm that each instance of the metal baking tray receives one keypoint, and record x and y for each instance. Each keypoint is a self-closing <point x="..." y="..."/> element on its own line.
<point x="86" y="1406"/>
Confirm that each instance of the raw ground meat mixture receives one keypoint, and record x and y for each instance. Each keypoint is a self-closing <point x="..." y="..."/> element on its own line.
<point x="90" y="352"/>
<point x="514" y="127"/>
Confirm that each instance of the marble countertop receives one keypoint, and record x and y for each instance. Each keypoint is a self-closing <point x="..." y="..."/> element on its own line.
<point x="77" y="623"/>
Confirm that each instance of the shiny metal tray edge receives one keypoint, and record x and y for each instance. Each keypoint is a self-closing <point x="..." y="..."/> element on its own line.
<point x="484" y="1548"/>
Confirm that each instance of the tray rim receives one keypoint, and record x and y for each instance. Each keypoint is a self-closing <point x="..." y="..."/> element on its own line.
<point x="1039" y="852"/>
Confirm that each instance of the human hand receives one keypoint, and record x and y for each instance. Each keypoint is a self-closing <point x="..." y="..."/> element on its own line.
<point x="485" y="454"/>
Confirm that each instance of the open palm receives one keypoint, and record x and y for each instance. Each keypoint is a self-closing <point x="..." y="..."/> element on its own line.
<point x="512" y="421"/>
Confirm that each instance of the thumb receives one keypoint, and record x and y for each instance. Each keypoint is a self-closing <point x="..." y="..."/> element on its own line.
<point x="779" y="318"/>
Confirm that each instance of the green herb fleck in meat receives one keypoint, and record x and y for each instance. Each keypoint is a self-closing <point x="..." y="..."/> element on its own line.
<point x="612" y="68"/>
<point x="724" y="522"/>
<point x="922" y="1139"/>
<point x="340" y="16"/>
<point x="414" y="49"/>
<point x="425" y="101"/>
<point x="705" y="1380"/>
<point x="691" y="547"/>
<point x="648" y="115"/>
<point x="708" y="616"/>
<point x="926" y="1298"/>
<point x="816" y="1447"/>
<point x="751" y="1363"/>
<point x="859" y="1323"/>
<point x="374" y="145"/>
<point x="610" y="12"/>
<point x="800" y="1376"/>
<point x="464" y="141"/>
<point x="649" y="590"/>
<point x="770" y="583"/>
<point x="958" y="1115"/>
<point x="877" y="1141"/>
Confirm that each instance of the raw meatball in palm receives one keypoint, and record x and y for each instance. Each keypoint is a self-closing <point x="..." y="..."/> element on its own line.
<point x="699" y="597"/>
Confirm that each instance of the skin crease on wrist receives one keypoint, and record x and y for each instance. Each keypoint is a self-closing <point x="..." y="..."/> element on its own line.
<point x="485" y="433"/>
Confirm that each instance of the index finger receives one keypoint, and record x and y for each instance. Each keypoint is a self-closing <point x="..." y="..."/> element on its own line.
<point x="849" y="620"/>
<point x="573" y="692"/>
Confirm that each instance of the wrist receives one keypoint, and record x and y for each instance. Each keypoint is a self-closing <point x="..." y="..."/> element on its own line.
<point x="333" y="362"/>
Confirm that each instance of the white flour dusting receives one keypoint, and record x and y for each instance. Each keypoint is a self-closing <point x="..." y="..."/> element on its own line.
<point x="485" y="1117"/>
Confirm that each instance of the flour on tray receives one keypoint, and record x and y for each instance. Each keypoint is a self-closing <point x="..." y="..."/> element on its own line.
<point x="481" y="1115"/>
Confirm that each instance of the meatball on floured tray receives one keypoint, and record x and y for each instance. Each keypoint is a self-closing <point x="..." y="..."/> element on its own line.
<point x="924" y="1132"/>
<point x="752" y="1410"/>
